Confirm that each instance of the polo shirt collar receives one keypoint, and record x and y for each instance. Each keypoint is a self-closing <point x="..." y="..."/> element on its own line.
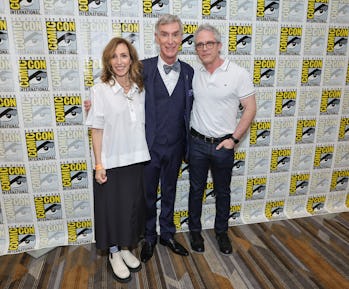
<point x="223" y="67"/>
<point x="117" y="87"/>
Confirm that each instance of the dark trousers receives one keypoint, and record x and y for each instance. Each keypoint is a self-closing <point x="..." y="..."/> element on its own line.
<point x="202" y="157"/>
<point x="164" y="168"/>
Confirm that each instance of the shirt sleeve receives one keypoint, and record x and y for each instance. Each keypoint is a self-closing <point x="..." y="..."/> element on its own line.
<point x="95" y="116"/>
<point x="246" y="88"/>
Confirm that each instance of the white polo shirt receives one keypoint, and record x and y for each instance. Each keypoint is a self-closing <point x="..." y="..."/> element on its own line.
<point x="217" y="97"/>
<point x="122" y="119"/>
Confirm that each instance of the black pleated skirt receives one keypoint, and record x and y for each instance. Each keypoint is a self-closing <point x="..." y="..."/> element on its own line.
<point x="119" y="207"/>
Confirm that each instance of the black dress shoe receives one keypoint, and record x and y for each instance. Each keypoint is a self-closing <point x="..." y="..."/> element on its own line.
<point x="147" y="251"/>
<point x="197" y="242"/>
<point x="224" y="243"/>
<point x="174" y="246"/>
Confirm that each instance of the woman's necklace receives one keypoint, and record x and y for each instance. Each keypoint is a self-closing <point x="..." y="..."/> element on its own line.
<point x="126" y="87"/>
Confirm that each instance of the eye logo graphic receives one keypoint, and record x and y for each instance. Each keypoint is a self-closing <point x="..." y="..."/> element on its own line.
<point x="93" y="7"/>
<point x="8" y="117"/>
<point x="155" y="7"/>
<point x="317" y="11"/>
<point x="74" y="175"/>
<point x="214" y="9"/>
<point x="267" y="10"/>
<point x="3" y="38"/>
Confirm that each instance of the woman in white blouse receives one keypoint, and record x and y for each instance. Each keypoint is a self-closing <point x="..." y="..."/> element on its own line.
<point x="116" y="119"/>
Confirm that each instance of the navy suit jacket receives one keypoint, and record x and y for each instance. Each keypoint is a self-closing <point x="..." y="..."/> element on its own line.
<point x="149" y="72"/>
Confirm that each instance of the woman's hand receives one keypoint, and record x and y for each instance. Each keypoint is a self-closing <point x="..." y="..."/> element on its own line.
<point x="101" y="176"/>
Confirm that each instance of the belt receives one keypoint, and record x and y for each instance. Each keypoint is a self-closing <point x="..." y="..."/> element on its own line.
<point x="209" y="139"/>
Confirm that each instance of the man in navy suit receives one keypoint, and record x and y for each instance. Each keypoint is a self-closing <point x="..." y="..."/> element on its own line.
<point x="168" y="103"/>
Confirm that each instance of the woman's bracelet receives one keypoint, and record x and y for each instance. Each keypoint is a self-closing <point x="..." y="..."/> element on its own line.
<point x="99" y="167"/>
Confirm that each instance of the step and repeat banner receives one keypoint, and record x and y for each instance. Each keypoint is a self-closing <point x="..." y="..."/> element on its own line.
<point x="293" y="162"/>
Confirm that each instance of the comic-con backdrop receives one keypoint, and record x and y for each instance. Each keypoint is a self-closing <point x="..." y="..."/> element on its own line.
<point x="293" y="162"/>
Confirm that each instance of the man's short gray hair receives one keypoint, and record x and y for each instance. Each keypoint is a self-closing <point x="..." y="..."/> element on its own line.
<point x="168" y="19"/>
<point x="208" y="27"/>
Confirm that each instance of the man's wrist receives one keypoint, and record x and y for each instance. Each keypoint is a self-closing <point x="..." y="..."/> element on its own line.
<point x="235" y="140"/>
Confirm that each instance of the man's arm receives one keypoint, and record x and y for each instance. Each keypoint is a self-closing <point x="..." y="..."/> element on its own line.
<point x="249" y="112"/>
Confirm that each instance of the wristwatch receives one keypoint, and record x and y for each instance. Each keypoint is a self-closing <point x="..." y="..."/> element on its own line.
<point x="235" y="140"/>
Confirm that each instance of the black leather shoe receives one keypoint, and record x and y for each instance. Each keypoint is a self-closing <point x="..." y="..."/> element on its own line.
<point x="174" y="246"/>
<point x="224" y="243"/>
<point x="197" y="242"/>
<point x="147" y="251"/>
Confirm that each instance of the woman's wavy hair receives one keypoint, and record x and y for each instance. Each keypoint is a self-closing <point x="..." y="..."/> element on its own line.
<point x="136" y="66"/>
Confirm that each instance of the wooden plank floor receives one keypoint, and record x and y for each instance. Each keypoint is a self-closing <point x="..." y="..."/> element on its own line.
<point x="304" y="253"/>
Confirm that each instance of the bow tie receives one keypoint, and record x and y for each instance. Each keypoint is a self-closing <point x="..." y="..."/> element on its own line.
<point x="176" y="67"/>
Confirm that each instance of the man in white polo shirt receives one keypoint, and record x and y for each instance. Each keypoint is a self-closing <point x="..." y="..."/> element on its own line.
<point x="219" y="87"/>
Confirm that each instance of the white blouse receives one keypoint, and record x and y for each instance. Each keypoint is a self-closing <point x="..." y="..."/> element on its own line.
<point x="121" y="116"/>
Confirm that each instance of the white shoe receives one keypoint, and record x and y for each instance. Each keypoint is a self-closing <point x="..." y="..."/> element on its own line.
<point x="120" y="271"/>
<point x="133" y="264"/>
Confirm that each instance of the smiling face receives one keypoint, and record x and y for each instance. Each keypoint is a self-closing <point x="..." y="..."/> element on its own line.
<point x="169" y="38"/>
<point x="120" y="61"/>
<point x="208" y="48"/>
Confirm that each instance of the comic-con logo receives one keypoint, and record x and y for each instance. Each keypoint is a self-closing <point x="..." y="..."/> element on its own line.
<point x="260" y="133"/>
<point x="36" y="111"/>
<point x="33" y="74"/>
<point x="92" y="73"/>
<point x="339" y="181"/>
<point x="330" y="101"/>
<point x="74" y="175"/>
<point x="61" y="37"/>
<point x="344" y="129"/>
<point x="316" y="205"/>
<point x="264" y="72"/>
<point x="93" y="7"/>
<point x="311" y="72"/>
<point x="240" y="39"/>
<point x="299" y="184"/>
<point x="290" y="40"/>
<point x="337" y="41"/>
<point x="274" y="209"/>
<point x="214" y="9"/>
<point x="285" y="103"/>
<point x="68" y="110"/>
<point x="13" y="179"/>
<point x="44" y="177"/>
<point x="3" y="37"/>
<point x="153" y="8"/>
<point x="80" y="232"/>
<point x="8" y="112"/>
<point x="268" y="10"/>
<point x="77" y="204"/>
<point x="21" y="238"/>
<point x="130" y="31"/>
<point x="40" y="145"/>
<point x="188" y="45"/>
<point x="48" y="207"/>
<point x="65" y="74"/>
<point x="305" y="132"/>
<point x="317" y="11"/>
<point x="25" y="7"/>
<point x="256" y="188"/>
<point x="239" y="163"/>
<point x="28" y="37"/>
<point x="235" y="213"/>
<point x="180" y="219"/>
<point x="280" y="160"/>
<point x="323" y="157"/>
<point x="71" y="143"/>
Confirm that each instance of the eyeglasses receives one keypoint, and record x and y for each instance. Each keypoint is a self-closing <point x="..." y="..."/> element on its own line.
<point x="209" y="45"/>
